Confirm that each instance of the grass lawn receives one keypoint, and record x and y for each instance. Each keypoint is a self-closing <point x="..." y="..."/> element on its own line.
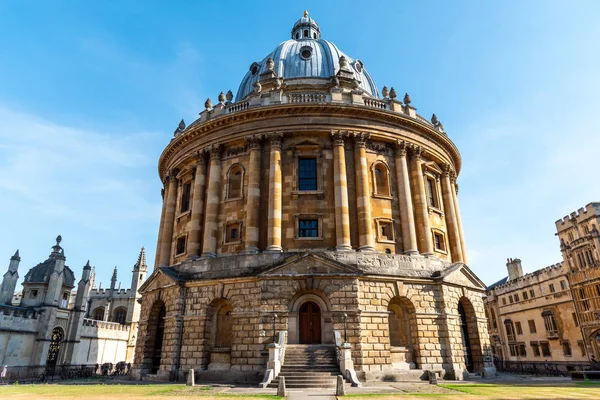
<point x="478" y="391"/>
<point x="120" y="392"/>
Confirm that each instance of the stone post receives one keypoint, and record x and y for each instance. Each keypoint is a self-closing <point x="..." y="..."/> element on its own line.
<point x="425" y="240"/>
<point x="347" y="365"/>
<point x="195" y="234"/>
<point x="339" y="387"/>
<point x="167" y="228"/>
<point x="253" y="198"/>
<point x="451" y="223"/>
<point x="275" y="185"/>
<point x="213" y="199"/>
<point x="163" y="195"/>
<point x="342" y="217"/>
<point x="275" y="359"/>
<point x="407" y="218"/>
<point x="458" y="218"/>
<point x="366" y="240"/>
<point x="191" y="379"/>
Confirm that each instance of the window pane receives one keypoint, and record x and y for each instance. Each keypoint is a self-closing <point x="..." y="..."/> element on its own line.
<point x="308" y="228"/>
<point x="307" y="174"/>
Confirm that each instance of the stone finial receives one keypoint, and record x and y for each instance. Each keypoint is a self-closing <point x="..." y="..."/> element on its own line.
<point x="393" y="94"/>
<point x="305" y="13"/>
<point x="229" y="96"/>
<point x="385" y="92"/>
<point x="270" y="63"/>
<point x="257" y="87"/>
<point x="58" y="240"/>
<point x="343" y="63"/>
<point x="208" y="104"/>
<point x="180" y="128"/>
<point x="437" y="124"/>
<point x="336" y="81"/>
<point x="16" y="256"/>
<point x="407" y="100"/>
<point x="114" y="275"/>
<point x="221" y="97"/>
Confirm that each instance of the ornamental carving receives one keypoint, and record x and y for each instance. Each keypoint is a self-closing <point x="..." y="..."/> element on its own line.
<point x="254" y="141"/>
<point x="215" y="151"/>
<point x="379" y="148"/>
<point x="417" y="152"/>
<point x="338" y="137"/>
<point x="360" y="139"/>
<point x="275" y="138"/>
<point x="401" y="147"/>
<point x="234" y="151"/>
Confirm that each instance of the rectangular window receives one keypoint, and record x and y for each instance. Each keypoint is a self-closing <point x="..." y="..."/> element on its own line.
<point x="552" y="290"/>
<point x="385" y="230"/>
<point x="581" y="346"/>
<point x="186" y="191"/>
<point x="563" y="285"/>
<point x="307" y="174"/>
<point x="535" y="346"/>
<point x="532" y="328"/>
<point x="566" y="346"/>
<point x="180" y="245"/>
<point x="510" y="299"/>
<point x="545" y="349"/>
<point x="519" y="328"/>
<point x="550" y="324"/>
<point x="516" y="297"/>
<point x="504" y="301"/>
<point x="522" y="350"/>
<point x="308" y="228"/>
<point x="431" y="193"/>
<point x="531" y="293"/>
<point x="575" y="320"/>
<point x="525" y="296"/>
<point x="438" y="241"/>
<point x="232" y="232"/>
<point x="513" y="350"/>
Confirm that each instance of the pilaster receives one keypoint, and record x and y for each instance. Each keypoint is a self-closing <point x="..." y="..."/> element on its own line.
<point x="275" y="186"/>
<point x="363" y="199"/>
<point x="253" y="198"/>
<point x="167" y="228"/>
<point x="407" y="219"/>
<point x="213" y="199"/>
<point x="424" y="238"/>
<point x="451" y="223"/>
<point x="195" y="235"/>
<point x="342" y="217"/>
<point x="454" y="193"/>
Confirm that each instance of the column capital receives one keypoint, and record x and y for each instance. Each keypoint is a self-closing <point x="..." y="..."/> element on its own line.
<point x="200" y="156"/>
<point x="417" y="152"/>
<point x="338" y="137"/>
<point x="172" y="175"/>
<point x="215" y="151"/>
<point x="402" y="147"/>
<point x="360" y="139"/>
<point x="446" y="170"/>
<point x="275" y="138"/>
<point x="254" y="141"/>
<point x="453" y="176"/>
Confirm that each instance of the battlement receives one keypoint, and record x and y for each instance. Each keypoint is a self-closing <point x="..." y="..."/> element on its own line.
<point x="117" y="293"/>
<point x="527" y="279"/>
<point x="583" y="213"/>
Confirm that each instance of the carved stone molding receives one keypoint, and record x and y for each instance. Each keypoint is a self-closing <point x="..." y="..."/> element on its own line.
<point x="276" y="138"/>
<point x="254" y="142"/>
<point x="235" y="151"/>
<point x="361" y="138"/>
<point x="379" y="148"/>
<point x="401" y="147"/>
<point x="417" y="152"/>
<point x="446" y="170"/>
<point x="338" y="137"/>
<point x="201" y="156"/>
<point x="215" y="151"/>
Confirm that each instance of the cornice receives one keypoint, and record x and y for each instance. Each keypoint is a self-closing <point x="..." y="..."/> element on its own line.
<point x="288" y="110"/>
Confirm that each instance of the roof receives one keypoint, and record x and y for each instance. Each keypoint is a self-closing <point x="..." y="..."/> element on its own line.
<point x="41" y="273"/>
<point x="500" y="282"/>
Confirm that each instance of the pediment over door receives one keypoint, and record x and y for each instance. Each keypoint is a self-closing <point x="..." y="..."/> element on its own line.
<point x="460" y="274"/>
<point x="159" y="279"/>
<point x="311" y="264"/>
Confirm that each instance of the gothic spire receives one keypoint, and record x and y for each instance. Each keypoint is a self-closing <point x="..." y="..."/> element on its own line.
<point x="16" y="256"/>
<point x="141" y="261"/>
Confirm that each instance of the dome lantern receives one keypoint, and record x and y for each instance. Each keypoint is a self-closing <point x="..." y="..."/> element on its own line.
<point x="306" y="28"/>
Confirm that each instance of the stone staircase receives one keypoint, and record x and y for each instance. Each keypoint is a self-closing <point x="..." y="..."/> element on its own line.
<point x="309" y="366"/>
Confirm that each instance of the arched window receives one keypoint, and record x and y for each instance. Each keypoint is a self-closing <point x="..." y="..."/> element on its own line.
<point x="54" y="349"/>
<point x="235" y="181"/>
<point x="381" y="179"/>
<point x="494" y="323"/>
<point x="98" y="314"/>
<point x="120" y="315"/>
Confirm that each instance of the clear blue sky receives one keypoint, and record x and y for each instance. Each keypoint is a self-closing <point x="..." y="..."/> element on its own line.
<point x="90" y="93"/>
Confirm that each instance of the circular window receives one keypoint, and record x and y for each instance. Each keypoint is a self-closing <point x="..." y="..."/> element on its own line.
<point x="306" y="52"/>
<point x="358" y="66"/>
<point x="254" y="68"/>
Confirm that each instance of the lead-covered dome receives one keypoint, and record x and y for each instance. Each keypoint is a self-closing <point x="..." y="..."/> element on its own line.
<point x="306" y="55"/>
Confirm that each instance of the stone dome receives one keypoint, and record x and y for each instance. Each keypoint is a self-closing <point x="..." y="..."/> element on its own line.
<point x="306" y="55"/>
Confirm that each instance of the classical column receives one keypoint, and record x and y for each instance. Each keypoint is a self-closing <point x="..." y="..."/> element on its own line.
<point x="274" y="233"/>
<point x="424" y="238"/>
<point x="451" y="222"/>
<point x="342" y="217"/>
<point x="407" y="219"/>
<point x="195" y="234"/>
<point x="213" y="200"/>
<point x="163" y="195"/>
<point x="253" y="198"/>
<point x="366" y="241"/>
<point x="458" y="218"/>
<point x="167" y="228"/>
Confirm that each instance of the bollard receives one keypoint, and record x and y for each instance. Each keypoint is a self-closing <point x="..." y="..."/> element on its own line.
<point x="191" y="380"/>
<point x="432" y="377"/>
<point x="339" y="387"/>
<point x="281" y="392"/>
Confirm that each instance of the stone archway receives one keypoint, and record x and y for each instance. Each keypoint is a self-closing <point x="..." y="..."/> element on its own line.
<point x="403" y="334"/>
<point x="219" y="331"/>
<point x="154" y="337"/>
<point x="54" y="348"/>
<point x="470" y="341"/>
<point x="309" y="321"/>
<point x="297" y="307"/>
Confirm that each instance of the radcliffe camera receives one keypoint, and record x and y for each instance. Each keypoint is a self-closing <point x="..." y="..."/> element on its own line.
<point x="296" y="204"/>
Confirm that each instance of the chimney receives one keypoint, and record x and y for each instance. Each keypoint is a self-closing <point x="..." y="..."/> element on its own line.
<point x="515" y="270"/>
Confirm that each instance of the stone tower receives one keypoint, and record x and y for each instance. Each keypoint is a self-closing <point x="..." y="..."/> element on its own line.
<point x="79" y="311"/>
<point x="9" y="282"/>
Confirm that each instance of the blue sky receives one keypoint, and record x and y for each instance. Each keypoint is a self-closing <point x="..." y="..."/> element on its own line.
<point x="90" y="93"/>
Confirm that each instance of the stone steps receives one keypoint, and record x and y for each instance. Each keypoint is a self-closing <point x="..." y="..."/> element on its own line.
<point x="309" y="366"/>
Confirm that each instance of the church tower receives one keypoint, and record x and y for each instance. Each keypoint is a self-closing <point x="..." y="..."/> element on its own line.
<point x="9" y="282"/>
<point x="133" y="310"/>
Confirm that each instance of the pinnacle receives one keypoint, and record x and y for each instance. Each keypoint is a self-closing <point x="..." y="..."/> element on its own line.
<point x="141" y="261"/>
<point x="87" y="265"/>
<point x="16" y="256"/>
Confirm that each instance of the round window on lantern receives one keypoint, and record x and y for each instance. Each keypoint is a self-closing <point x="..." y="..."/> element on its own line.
<point x="306" y="52"/>
<point x="254" y="68"/>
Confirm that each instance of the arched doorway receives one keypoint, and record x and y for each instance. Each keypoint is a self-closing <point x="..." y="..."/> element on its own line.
<point x="466" y="343"/>
<point x="470" y="343"/>
<point x="404" y="339"/>
<point x="160" y="332"/>
<point x="54" y="349"/>
<point x="154" y="337"/>
<point x="310" y="323"/>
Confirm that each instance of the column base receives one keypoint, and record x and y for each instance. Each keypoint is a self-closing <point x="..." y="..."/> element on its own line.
<point x="366" y="249"/>
<point x="251" y="250"/>
<point x="343" y="247"/>
<point x="209" y="254"/>
<point x="428" y="254"/>
<point x="273" y="249"/>
<point x="411" y="253"/>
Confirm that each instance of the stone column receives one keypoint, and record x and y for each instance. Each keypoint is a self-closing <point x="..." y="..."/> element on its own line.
<point x="451" y="222"/>
<point x="458" y="218"/>
<point x="213" y="200"/>
<point x="342" y="217"/>
<point x="195" y="235"/>
<point x="407" y="218"/>
<point x="366" y="241"/>
<point x="425" y="240"/>
<point x="163" y="195"/>
<point x="253" y="198"/>
<point x="167" y="228"/>
<point x="275" y="184"/>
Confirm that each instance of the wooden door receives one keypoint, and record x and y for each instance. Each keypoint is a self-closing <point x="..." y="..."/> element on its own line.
<point x="310" y="323"/>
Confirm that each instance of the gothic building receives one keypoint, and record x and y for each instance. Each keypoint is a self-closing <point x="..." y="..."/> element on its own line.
<point x="50" y="324"/>
<point x="314" y="213"/>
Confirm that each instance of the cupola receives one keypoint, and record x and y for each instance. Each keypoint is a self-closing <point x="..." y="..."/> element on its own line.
<point x="306" y="28"/>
